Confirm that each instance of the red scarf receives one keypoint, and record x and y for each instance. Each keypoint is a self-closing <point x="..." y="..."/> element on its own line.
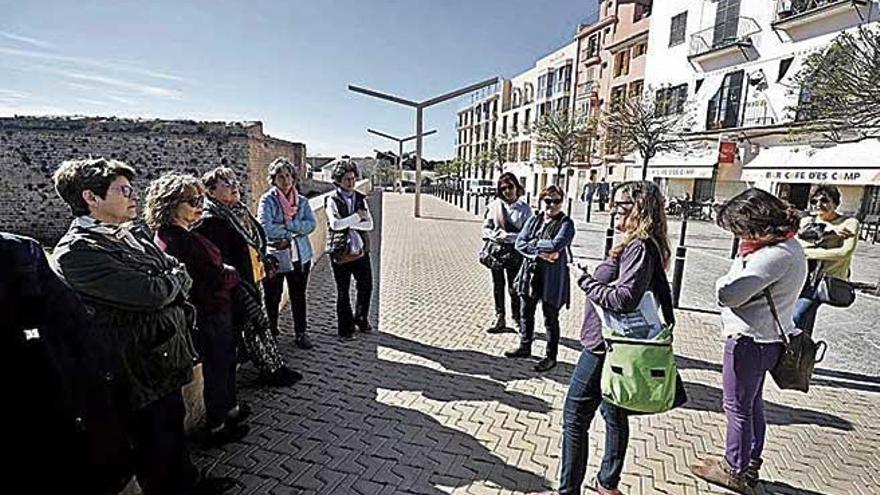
<point x="748" y="247"/>
<point x="289" y="202"/>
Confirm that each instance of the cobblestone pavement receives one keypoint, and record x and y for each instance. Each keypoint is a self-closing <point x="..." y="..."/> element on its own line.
<point x="428" y="404"/>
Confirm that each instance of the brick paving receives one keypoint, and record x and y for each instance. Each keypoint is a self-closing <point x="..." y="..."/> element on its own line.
<point x="428" y="404"/>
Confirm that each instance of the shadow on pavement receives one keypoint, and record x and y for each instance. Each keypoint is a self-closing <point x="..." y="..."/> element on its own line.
<point x="777" y="488"/>
<point x="445" y="219"/>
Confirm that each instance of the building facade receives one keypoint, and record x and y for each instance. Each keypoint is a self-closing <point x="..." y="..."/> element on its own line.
<point x="735" y="62"/>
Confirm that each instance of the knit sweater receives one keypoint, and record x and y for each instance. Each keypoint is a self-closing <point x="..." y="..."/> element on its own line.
<point x="781" y="268"/>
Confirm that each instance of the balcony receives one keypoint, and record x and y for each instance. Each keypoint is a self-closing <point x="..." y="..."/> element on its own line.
<point x="724" y="40"/>
<point x="791" y="14"/>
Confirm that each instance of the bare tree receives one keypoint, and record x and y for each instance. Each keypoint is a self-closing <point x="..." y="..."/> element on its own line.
<point x="560" y="137"/>
<point x="649" y="123"/>
<point x="840" y="87"/>
<point x="498" y="147"/>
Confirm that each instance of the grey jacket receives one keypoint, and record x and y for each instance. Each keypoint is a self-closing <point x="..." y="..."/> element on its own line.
<point x="782" y="268"/>
<point x="516" y="215"/>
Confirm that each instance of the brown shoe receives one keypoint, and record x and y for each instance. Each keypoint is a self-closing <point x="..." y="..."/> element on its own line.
<point x="601" y="490"/>
<point x="717" y="471"/>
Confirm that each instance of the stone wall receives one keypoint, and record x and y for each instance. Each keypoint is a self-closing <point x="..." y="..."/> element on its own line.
<point x="31" y="148"/>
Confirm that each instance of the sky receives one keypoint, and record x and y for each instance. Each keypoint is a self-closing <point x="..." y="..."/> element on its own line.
<point x="285" y="63"/>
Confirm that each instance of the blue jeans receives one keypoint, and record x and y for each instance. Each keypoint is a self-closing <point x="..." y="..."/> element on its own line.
<point x="584" y="397"/>
<point x="805" y="314"/>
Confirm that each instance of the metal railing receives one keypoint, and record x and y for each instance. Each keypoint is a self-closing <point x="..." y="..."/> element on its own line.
<point x="790" y="8"/>
<point x="723" y="35"/>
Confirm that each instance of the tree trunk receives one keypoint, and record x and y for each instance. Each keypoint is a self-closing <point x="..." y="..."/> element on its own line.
<point x="645" y="161"/>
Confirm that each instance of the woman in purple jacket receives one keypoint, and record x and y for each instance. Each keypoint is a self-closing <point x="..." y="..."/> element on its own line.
<point x="634" y="266"/>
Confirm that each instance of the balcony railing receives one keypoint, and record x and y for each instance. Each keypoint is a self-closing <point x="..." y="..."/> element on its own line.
<point x="723" y="36"/>
<point x="791" y="10"/>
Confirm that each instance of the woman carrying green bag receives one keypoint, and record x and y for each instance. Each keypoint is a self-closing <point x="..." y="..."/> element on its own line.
<point x="618" y="285"/>
<point x="770" y="261"/>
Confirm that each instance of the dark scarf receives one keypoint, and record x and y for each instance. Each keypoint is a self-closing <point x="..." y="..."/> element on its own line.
<point x="241" y="220"/>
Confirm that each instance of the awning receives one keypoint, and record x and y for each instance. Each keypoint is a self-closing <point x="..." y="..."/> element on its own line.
<point x="696" y="164"/>
<point x="844" y="164"/>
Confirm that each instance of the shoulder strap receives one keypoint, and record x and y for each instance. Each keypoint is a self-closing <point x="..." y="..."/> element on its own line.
<point x="775" y="315"/>
<point x="664" y="297"/>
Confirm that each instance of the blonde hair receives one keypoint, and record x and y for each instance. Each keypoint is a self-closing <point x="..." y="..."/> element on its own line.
<point x="165" y="194"/>
<point x="646" y="220"/>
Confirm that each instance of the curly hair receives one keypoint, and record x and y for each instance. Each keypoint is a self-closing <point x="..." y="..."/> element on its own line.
<point x="757" y="213"/>
<point x="211" y="177"/>
<point x="647" y="218"/>
<point x="280" y="164"/>
<point x="343" y="167"/>
<point x="92" y="174"/>
<point x="165" y="194"/>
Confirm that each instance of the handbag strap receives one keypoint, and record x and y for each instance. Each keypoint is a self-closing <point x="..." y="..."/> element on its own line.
<point x="775" y="316"/>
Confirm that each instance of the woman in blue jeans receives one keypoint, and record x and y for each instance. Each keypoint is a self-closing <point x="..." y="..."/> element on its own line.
<point x="634" y="266"/>
<point x="770" y="265"/>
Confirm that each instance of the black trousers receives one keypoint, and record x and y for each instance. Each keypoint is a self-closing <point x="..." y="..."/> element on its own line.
<point x="297" y="282"/>
<point x="551" y="324"/>
<point x="498" y="287"/>
<point x="215" y="340"/>
<point x="362" y="272"/>
<point x="162" y="461"/>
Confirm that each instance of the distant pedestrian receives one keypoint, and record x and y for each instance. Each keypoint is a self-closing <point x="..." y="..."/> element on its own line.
<point x="287" y="219"/>
<point x="236" y="232"/>
<point x="174" y="203"/>
<point x="505" y="218"/>
<point x="634" y="266"/>
<point x="603" y="190"/>
<point x="829" y="240"/>
<point x="543" y="278"/>
<point x="138" y="296"/>
<point x="348" y="244"/>
<point x="770" y="264"/>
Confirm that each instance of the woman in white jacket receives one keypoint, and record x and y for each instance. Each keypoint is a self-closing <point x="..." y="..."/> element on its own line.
<point x="771" y="263"/>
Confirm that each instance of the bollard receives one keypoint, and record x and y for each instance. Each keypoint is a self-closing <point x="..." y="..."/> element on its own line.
<point x="735" y="248"/>
<point x="589" y="210"/>
<point x="529" y="198"/>
<point x="684" y="226"/>
<point x="477" y="205"/>
<point x="568" y="212"/>
<point x="677" y="274"/>
<point x="467" y="200"/>
<point x="609" y="236"/>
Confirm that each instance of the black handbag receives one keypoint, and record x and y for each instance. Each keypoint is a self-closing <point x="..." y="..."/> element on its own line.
<point x="498" y="256"/>
<point x="799" y="356"/>
<point x="835" y="292"/>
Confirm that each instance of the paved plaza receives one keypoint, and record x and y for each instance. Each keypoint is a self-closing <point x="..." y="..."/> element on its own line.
<point x="428" y="405"/>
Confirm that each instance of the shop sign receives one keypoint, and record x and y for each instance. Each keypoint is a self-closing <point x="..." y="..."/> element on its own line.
<point x="726" y="153"/>
<point x="841" y="176"/>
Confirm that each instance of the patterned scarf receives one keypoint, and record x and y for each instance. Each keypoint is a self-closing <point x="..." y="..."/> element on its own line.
<point x="121" y="232"/>
<point x="241" y="220"/>
<point x="289" y="202"/>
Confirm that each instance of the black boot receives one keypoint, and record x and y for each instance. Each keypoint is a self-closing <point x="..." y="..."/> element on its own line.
<point x="499" y="326"/>
<point x="523" y="351"/>
<point x="303" y="342"/>
<point x="753" y="472"/>
<point x="546" y="364"/>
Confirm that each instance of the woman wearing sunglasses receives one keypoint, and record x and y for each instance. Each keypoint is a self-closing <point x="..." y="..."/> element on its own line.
<point x="634" y="266"/>
<point x="829" y="240"/>
<point x="505" y="218"/>
<point x="543" y="277"/>
<point x="174" y="204"/>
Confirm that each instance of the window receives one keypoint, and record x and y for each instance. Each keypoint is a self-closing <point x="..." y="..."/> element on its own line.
<point x="515" y="122"/>
<point x="671" y="100"/>
<point x="550" y="80"/>
<point x="618" y="97"/>
<point x="726" y="22"/>
<point x="677" y="29"/>
<point x="723" y="109"/>
<point x="504" y="125"/>
<point x="641" y="11"/>
<point x="511" y="149"/>
<point x="526" y="151"/>
<point x="593" y="46"/>
<point x="802" y="111"/>
<point x="639" y="50"/>
<point x="526" y="118"/>
<point x="621" y="63"/>
<point x="542" y="84"/>
<point x="635" y="88"/>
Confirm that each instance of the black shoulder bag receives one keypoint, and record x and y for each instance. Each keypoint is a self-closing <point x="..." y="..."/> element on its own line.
<point x="799" y="356"/>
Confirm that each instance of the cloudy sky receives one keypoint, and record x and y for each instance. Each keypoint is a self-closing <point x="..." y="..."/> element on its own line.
<point x="285" y="63"/>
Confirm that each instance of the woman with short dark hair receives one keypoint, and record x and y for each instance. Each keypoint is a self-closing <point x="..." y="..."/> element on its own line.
<point x="770" y="268"/>
<point x="829" y="240"/>
<point x="287" y="219"/>
<point x="505" y="218"/>
<point x="233" y="229"/>
<point x="174" y="203"/>
<point x="543" y="277"/>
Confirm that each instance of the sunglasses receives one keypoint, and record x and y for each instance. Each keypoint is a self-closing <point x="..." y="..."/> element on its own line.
<point x="820" y="199"/>
<point x="506" y="188"/>
<point x="626" y="205"/>
<point x="126" y="191"/>
<point x="552" y="201"/>
<point x="195" y="201"/>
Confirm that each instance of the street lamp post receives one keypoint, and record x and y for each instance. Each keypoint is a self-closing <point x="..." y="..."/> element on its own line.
<point x="420" y="106"/>
<point x="400" y="142"/>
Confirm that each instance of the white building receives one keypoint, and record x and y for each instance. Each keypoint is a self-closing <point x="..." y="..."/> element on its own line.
<point x="736" y="60"/>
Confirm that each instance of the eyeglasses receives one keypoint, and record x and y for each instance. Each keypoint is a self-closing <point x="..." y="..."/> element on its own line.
<point x="126" y="191"/>
<point x="231" y="184"/>
<point x="820" y="199"/>
<point x="552" y="201"/>
<point x="195" y="201"/>
<point x="626" y="205"/>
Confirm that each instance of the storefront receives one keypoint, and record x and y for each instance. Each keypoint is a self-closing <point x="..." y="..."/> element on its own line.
<point x="697" y="174"/>
<point x="791" y="172"/>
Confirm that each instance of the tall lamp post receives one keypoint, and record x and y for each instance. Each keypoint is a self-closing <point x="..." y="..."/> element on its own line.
<point x="400" y="142"/>
<point x="420" y="107"/>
